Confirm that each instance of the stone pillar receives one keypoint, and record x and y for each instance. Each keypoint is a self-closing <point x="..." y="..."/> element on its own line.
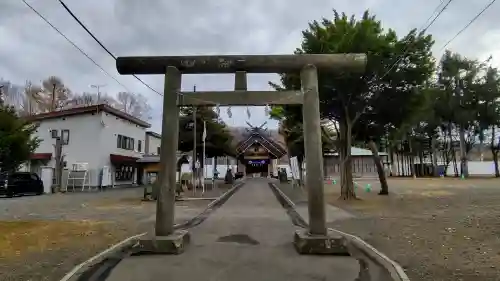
<point x="317" y="239"/>
<point x="166" y="240"/>
<point x="168" y="153"/>
<point x="313" y="151"/>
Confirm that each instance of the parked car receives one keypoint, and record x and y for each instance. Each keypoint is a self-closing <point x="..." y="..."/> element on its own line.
<point x="238" y="175"/>
<point x="20" y="183"/>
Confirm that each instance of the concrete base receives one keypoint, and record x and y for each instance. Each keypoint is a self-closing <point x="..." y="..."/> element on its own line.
<point x="173" y="244"/>
<point x="330" y="244"/>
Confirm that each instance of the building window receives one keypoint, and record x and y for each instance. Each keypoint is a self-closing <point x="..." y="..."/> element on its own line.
<point x="124" y="142"/>
<point x="65" y="136"/>
<point x="54" y="134"/>
<point x="139" y="145"/>
<point x="124" y="172"/>
<point x="158" y="150"/>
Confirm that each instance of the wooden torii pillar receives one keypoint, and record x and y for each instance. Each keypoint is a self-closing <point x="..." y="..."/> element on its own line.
<point x="316" y="239"/>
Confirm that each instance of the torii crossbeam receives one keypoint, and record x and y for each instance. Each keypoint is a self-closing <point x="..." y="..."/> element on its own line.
<point x="316" y="239"/>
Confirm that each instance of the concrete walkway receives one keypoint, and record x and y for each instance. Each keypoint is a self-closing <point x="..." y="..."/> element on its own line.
<point x="248" y="238"/>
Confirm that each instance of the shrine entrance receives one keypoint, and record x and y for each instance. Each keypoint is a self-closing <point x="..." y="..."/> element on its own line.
<point x="257" y="167"/>
<point x="259" y="152"/>
<point x="317" y="238"/>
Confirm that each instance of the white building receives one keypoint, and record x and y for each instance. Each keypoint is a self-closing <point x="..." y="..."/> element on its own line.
<point x="152" y="143"/>
<point x="99" y="135"/>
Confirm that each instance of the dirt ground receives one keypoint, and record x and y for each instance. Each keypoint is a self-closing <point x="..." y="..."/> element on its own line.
<point x="437" y="229"/>
<point x="44" y="237"/>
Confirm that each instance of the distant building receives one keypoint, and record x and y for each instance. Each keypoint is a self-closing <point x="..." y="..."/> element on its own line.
<point x="102" y="138"/>
<point x="99" y="136"/>
<point x="263" y="151"/>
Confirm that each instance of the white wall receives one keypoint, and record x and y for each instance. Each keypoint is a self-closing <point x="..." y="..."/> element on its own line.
<point x="153" y="144"/>
<point x="476" y="168"/>
<point x="114" y="126"/>
<point x="84" y="143"/>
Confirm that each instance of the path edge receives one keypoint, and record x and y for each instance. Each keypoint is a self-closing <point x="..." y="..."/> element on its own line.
<point x="129" y="243"/>
<point x="355" y="245"/>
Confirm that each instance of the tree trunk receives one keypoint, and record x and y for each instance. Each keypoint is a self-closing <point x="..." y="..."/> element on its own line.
<point x="411" y="159"/>
<point x="464" y="171"/>
<point x="452" y="151"/>
<point x="421" y="163"/>
<point x="494" y="152"/>
<point x="404" y="161"/>
<point x="455" y="164"/>
<point x="384" y="187"/>
<point x="434" y="157"/>
<point x="397" y="164"/>
<point x="495" y="162"/>
<point x="346" y="180"/>
<point x="391" y="157"/>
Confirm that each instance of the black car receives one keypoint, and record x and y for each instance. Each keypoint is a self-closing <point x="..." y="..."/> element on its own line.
<point x="239" y="175"/>
<point x="20" y="183"/>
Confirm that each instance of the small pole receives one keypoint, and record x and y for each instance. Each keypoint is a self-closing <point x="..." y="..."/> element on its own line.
<point x="98" y="88"/>
<point x="203" y="173"/>
<point x="58" y="165"/>
<point x="193" y="176"/>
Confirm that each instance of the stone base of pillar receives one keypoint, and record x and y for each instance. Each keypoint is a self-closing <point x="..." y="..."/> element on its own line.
<point x="173" y="244"/>
<point x="330" y="244"/>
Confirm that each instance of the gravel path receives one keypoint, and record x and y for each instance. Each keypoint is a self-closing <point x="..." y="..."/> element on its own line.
<point x="440" y="230"/>
<point x="44" y="237"/>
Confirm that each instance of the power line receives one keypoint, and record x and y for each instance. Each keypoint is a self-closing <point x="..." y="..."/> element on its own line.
<point x="74" y="45"/>
<point x="423" y="30"/>
<point x="100" y="44"/>
<point x="469" y="24"/>
<point x="433" y="13"/>
<point x="438" y="14"/>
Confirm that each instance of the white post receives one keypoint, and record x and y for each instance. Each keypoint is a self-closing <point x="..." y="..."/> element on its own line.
<point x="204" y="158"/>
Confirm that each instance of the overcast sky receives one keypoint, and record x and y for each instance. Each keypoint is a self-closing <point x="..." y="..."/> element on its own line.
<point x="31" y="49"/>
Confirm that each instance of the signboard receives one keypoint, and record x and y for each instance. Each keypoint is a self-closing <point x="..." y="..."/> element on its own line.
<point x="258" y="162"/>
<point x="294" y="167"/>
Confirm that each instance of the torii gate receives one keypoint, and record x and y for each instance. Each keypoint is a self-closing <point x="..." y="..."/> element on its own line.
<point x="169" y="241"/>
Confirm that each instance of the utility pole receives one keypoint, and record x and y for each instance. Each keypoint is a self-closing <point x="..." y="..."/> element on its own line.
<point x="98" y="87"/>
<point x="53" y="105"/>
<point x="58" y="157"/>
<point x="193" y="176"/>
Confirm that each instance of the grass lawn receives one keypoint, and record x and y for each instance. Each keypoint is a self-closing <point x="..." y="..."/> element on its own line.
<point x="21" y="238"/>
<point x="437" y="229"/>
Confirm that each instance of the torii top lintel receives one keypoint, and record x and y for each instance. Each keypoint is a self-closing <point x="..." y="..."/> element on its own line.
<point x="248" y="63"/>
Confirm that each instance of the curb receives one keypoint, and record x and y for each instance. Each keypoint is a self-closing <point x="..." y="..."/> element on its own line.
<point x="116" y="252"/>
<point x="356" y="246"/>
<point x="80" y="269"/>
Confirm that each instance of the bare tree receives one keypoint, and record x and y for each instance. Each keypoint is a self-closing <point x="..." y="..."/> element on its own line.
<point x="134" y="104"/>
<point x="31" y="99"/>
<point x="88" y="99"/>
<point x="54" y="95"/>
<point x="12" y="94"/>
